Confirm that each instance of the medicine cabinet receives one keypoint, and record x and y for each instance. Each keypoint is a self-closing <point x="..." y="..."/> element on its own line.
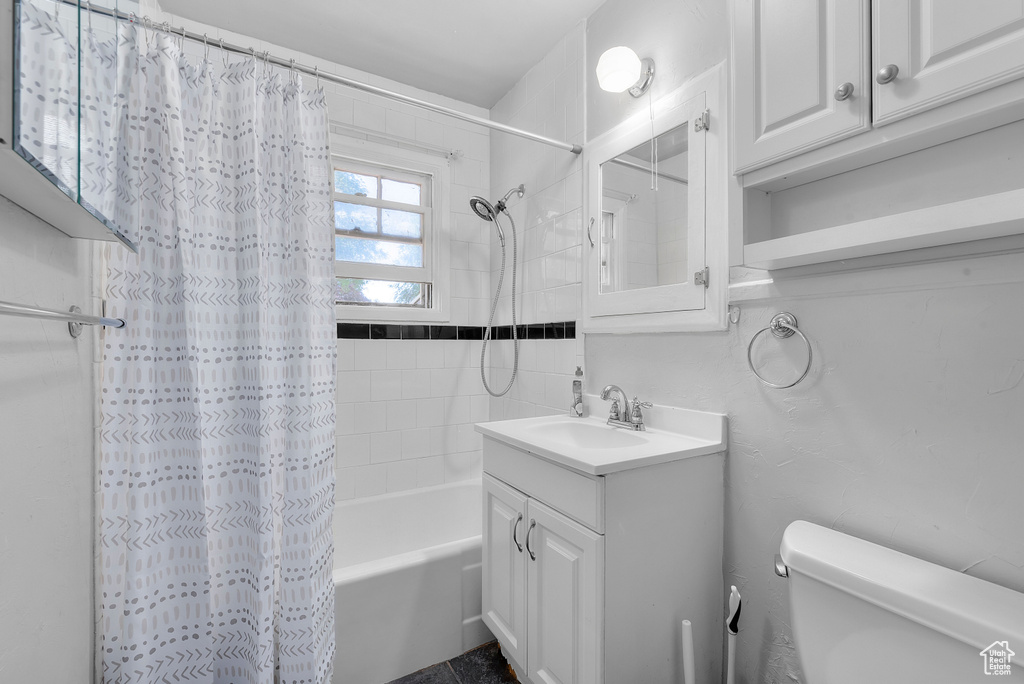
<point x="57" y="102"/>
<point x="658" y="210"/>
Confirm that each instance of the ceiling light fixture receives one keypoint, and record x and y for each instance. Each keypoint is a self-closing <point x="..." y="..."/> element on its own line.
<point x="620" y="69"/>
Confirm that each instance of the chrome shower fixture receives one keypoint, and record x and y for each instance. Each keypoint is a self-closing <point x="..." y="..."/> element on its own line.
<point x="489" y="212"/>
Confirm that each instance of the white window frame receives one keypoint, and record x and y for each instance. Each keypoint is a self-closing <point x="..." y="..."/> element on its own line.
<point x="436" y="247"/>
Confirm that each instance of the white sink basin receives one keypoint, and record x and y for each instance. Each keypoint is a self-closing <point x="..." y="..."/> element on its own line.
<point x="584" y="434"/>
<point x="591" y="446"/>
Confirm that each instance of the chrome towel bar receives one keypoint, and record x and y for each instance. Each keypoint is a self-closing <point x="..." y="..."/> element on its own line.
<point x="74" y="318"/>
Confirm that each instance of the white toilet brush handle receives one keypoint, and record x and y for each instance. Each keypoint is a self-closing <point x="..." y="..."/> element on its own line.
<point x="688" y="676"/>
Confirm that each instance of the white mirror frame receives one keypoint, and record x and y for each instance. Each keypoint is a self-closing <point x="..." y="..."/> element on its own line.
<point x="722" y="209"/>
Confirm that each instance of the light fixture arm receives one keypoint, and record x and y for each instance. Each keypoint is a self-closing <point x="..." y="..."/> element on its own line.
<point x="646" y="77"/>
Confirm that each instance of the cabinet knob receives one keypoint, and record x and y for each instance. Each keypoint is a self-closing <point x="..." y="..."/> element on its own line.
<point x="887" y="74"/>
<point x="844" y="91"/>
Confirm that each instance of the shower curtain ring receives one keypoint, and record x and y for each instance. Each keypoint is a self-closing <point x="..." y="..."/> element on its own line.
<point x="224" y="53"/>
<point x="206" y="46"/>
<point x="316" y="73"/>
<point x="131" y="17"/>
<point x="88" y="7"/>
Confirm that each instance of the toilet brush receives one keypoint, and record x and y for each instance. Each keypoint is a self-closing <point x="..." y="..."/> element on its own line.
<point x="731" y="627"/>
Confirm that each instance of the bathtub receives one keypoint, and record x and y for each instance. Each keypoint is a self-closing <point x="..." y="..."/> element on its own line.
<point x="407" y="581"/>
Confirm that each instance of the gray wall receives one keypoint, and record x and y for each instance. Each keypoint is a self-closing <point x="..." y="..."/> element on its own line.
<point x="906" y="433"/>
<point x="47" y="409"/>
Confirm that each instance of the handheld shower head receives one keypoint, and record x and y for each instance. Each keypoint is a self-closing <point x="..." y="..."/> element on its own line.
<point x="489" y="212"/>
<point x="482" y="208"/>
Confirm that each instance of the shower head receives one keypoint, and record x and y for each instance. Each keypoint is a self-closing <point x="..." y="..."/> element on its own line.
<point x="482" y="208"/>
<point x="519" y="189"/>
<point x="489" y="212"/>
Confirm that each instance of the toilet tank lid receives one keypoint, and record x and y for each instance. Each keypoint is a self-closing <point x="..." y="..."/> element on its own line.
<point x="965" y="608"/>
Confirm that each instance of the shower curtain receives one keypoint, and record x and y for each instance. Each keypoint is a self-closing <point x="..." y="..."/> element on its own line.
<point x="216" y="480"/>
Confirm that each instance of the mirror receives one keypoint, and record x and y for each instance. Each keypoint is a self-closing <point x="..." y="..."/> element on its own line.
<point x="643" y="221"/>
<point x="658" y="197"/>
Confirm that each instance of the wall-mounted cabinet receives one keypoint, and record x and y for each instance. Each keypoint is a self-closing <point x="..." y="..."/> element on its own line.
<point x="57" y="113"/>
<point x="823" y="88"/>
<point x="658" y="201"/>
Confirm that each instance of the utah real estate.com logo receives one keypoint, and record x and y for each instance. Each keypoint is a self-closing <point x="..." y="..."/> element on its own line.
<point x="997" y="658"/>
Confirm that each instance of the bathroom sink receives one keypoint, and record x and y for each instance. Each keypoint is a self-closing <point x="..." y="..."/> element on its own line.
<point x="586" y="434"/>
<point x="591" y="446"/>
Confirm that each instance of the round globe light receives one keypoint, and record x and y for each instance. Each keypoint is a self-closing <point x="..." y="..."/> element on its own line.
<point x="618" y="69"/>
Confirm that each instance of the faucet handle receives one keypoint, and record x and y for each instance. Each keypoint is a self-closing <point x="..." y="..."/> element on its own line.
<point x="637" y="416"/>
<point x="613" y="412"/>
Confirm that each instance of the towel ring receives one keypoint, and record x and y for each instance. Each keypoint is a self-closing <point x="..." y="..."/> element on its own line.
<point x="782" y="325"/>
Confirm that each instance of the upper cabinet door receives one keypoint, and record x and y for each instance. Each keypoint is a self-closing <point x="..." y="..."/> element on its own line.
<point x="802" y="78"/>
<point x="944" y="50"/>
<point x="504" y="565"/>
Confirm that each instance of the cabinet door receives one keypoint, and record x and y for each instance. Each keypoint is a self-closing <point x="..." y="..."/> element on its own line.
<point x="945" y="50"/>
<point x="790" y="58"/>
<point x="565" y="603"/>
<point x="504" y="566"/>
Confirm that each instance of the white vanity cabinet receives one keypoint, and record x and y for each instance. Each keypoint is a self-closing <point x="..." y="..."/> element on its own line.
<point x="812" y="72"/>
<point x="540" y="585"/>
<point x="587" y="577"/>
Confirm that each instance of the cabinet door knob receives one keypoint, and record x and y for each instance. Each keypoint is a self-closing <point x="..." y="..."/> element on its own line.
<point x="533" y="523"/>
<point x="844" y="91"/>
<point x="514" y="531"/>
<point x="887" y="74"/>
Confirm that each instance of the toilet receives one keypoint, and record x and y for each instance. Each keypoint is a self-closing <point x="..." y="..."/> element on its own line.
<point x="864" y="613"/>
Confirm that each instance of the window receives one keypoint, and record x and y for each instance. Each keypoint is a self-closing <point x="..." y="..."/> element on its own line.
<point x="388" y="248"/>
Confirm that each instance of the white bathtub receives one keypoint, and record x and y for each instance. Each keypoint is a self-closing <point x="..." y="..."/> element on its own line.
<point x="407" y="581"/>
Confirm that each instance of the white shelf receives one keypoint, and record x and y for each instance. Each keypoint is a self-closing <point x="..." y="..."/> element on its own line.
<point x="977" y="218"/>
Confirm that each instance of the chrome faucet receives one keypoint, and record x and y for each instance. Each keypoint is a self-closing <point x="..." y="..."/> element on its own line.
<point x="628" y="416"/>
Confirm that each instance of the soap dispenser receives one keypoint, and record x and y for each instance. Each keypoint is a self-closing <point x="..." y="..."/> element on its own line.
<point x="576" y="410"/>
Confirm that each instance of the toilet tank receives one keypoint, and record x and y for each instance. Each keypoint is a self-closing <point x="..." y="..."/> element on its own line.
<point x="865" y="613"/>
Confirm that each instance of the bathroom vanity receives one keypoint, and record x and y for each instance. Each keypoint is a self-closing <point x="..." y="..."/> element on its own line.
<point x="598" y="542"/>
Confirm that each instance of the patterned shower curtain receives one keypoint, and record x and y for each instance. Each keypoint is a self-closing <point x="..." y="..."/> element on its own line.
<point x="216" y="482"/>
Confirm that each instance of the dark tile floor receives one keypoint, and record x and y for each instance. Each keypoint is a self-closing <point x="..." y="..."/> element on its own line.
<point x="482" y="665"/>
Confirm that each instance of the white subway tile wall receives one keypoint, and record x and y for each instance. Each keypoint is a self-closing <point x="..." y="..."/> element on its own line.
<point x="408" y="422"/>
<point x="549" y="219"/>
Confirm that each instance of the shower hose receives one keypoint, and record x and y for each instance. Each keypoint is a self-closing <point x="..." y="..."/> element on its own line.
<point x="490" y="319"/>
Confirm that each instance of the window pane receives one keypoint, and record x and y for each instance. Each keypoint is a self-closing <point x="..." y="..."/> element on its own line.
<point x="380" y="292"/>
<point x="364" y="251"/>
<point x="355" y="217"/>
<point x="401" y="223"/>
<point x="397" y="191"/>
<point x="355" y="183"/>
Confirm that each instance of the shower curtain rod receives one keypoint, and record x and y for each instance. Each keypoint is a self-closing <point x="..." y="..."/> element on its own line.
<point x="326" y="76"/>
<point x="74" y="318"/>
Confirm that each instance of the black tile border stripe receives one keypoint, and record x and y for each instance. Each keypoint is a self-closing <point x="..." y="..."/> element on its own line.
<point x="559" y="330"/>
